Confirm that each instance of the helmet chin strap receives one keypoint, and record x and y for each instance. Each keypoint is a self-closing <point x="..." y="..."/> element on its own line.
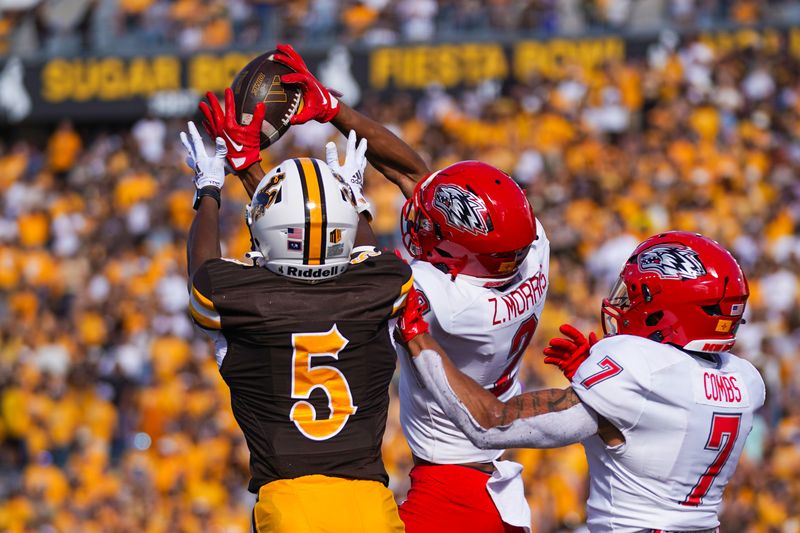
<point x="254" y="254"/>
<point x="257" y="257"/>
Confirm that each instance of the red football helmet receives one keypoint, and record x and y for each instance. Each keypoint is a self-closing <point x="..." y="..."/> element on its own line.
<point x="471" y="219"/>
<point x="679" y="288"/>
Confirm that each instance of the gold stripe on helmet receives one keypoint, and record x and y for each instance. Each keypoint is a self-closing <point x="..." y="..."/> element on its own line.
<point x="313" y="254"/>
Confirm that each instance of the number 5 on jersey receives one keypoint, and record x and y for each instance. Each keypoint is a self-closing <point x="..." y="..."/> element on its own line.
<point x="306" y="378"/>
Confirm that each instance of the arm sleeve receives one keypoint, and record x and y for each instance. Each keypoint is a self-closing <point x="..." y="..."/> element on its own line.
<point x="550" y="430"/>
<point x="201" y="307"/>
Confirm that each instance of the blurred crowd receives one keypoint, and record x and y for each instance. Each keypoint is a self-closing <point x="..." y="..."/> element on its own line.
<point x="112" y="414"/>
<point x="57" y="26"/>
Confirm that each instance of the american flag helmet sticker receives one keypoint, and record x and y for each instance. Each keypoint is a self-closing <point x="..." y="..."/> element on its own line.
<point x="294" y="239"/>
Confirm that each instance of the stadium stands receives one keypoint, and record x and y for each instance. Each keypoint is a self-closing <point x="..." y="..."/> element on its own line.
<point x="112" y="413"/>
<point x="32" y="26"/>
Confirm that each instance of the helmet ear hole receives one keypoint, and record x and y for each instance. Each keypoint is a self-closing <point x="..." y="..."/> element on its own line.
<point x="648" y="296"/>
<point x="438" y="230"/>
<point x="653" y="318"/>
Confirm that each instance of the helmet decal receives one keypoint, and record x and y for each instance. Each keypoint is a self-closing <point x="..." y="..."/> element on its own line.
<point x="469" y="219"/>
<point x="294" y="239"/>
<point x="671" y="262"/>
<point x="684" y="306"/>
<point x="301" y="227"/>
<point x="268" y="195"/>
<point x="335" y="244"/>
<point x="463" y="209"/>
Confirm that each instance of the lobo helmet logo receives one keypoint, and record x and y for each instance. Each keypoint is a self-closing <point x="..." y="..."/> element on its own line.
<point x="671" y="262"/>
<point x="463" y="209"/>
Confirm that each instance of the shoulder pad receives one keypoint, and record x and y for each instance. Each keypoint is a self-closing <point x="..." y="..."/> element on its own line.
<point x="435" y="286"/>
<point x="362" y="253"/>
<point x="236" y="261"/>
<point x="615" y="380"/>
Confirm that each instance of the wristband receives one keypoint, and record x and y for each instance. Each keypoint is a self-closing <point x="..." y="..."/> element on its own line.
<point x="364" y="206"/>
<point x="208" y="190"/>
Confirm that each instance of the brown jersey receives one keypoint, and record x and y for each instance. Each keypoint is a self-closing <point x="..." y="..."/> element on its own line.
<point x="308" y="365"/>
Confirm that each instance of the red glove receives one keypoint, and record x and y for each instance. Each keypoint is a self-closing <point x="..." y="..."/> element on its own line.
<point x="318" y="102"/>
<point x="411" y="322"/>
<point x="568" y="354"/>
<point x="243" y="142"/>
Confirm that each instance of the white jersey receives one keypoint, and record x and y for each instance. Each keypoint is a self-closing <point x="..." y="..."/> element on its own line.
<point x="485" y="331"/>
<point x="685" y="421"/>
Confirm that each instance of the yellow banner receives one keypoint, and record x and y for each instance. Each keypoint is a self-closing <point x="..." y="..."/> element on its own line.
<point x="114" y="78"/>
<point x="416" y="67"/>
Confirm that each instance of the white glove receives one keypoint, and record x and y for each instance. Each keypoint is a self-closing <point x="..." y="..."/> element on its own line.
<point x="208" y="171"/>
<point x="352" y="171"/>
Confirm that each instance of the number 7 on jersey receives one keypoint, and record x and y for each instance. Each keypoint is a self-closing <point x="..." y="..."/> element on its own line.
<point x="724" y="430"/>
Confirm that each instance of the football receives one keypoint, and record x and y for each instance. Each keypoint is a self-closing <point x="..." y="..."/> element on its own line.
<point x="260" y="81"/>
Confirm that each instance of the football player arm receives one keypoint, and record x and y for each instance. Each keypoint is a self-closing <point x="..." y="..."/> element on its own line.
<point x="203" y="242"/>
<point x="364" y="234"/>
<point x="352" y="172"/>
<point x="251" y="177"/>
<point x="390" y="155"/>
<point x="209" y="177"/>
<point x="542" y="419"/>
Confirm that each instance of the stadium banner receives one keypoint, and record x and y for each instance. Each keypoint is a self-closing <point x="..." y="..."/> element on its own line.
<point x="117" y="88"/>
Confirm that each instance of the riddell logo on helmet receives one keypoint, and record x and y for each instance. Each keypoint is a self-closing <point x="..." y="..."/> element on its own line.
<point x="463" y="209"/>
<point x="317" y="273"/>
<point x="671" y="262"/>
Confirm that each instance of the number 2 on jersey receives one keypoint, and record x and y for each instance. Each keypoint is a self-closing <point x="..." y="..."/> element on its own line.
<point x="519" y="344"/>
<point x="724" y="430"/>
<point x="306" y="378"/>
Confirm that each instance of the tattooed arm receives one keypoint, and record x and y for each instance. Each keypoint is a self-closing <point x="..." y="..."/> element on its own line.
<point x="542" y="419"/>
<point x="535" y="403"/>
